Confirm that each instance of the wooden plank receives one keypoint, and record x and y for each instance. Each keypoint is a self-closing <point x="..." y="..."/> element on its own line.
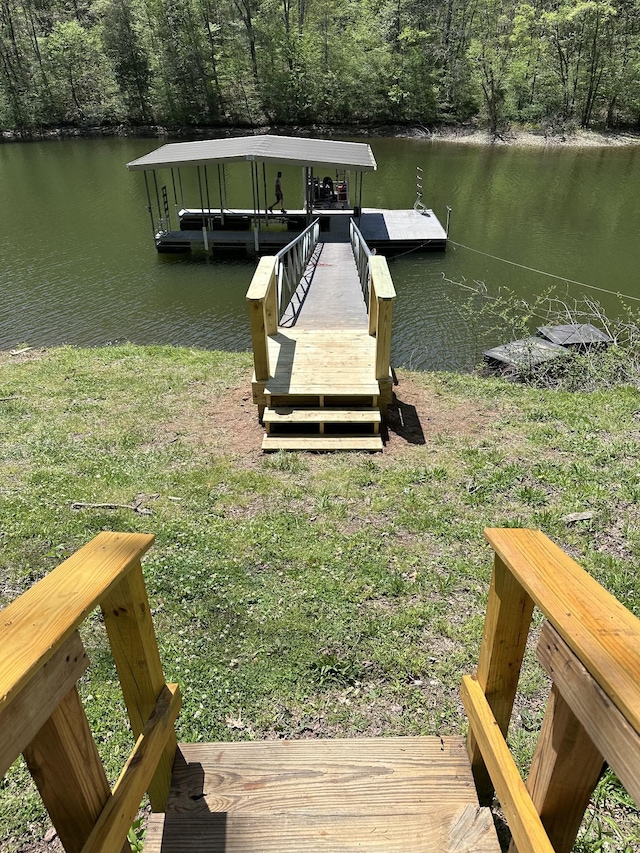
<point x="262" y="278"/>
<point x="565" y="769"/>
<point x="381" y="276"/>
<point x="438" y="830"/>
<point x="595" y="625"/>
<point x="34" y="626"/>
<point x="610" y="732"/>
<point x="526" y="827"/>
<point x="67" y="770"/>
<point x="504" y="638"/>
<point x="259" y="341"/>
<point x="110" y="831"/>
<point x="315" y="387"/>
<point x="383" y="339"/>
<point x="127" y="618"/>
<point x="316" y="416"/>
<point x="339" y="777"/>
<point x="322" y="442"/>
<point x="23" y="718"/>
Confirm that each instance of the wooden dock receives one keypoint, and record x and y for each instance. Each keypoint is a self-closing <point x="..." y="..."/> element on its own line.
<point x="322" y="377"/>
<point x="388" y="231"/>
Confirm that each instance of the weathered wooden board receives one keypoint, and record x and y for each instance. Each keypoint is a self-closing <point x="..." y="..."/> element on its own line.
<point x="575" y="334"/>
<point x="342" y="776"/>
<point x="527" y="352"/>
<point x="450" y="829"/>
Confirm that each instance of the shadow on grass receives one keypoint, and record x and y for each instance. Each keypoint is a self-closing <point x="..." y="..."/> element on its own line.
<point x="402" y="419"/>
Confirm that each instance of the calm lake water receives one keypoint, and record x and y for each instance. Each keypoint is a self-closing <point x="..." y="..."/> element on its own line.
<point x="78" y="264"/>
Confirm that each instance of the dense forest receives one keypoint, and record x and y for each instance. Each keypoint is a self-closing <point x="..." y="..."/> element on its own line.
<point x="549" y="63"/>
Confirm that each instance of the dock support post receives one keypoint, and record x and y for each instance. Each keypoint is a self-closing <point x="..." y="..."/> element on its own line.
<point x="153" y="227"/>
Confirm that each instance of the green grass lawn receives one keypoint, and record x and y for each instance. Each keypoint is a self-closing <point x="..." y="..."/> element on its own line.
<point x="306" y="595"/>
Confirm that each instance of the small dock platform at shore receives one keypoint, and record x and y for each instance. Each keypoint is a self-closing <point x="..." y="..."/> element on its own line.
<point x="321" y="336"/>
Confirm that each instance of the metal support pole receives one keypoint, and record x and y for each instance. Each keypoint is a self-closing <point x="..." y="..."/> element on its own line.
<point x="153" y="227"/>
<point x="155" y="181"/>
<point x="204" y="224"/>
<point x="448" y="221"/>
<point x="206" y="187"/>
<point x="175" y="196"/>
<point x="264" y="183"/>
<point x="256" y="225"/>
<point x="181" y="190"/>
<point x="220" y="194"/>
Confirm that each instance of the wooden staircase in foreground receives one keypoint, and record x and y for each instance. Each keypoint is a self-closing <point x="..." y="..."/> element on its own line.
<point x="322" y="379"/>
<point x="382" y="794"/>
<point x="413" y="794"/>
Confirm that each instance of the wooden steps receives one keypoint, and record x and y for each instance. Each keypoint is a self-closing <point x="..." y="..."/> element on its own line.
<point x="322" y="428"/>
<point x="369" y="443"/>
<point x="381" y="794"/>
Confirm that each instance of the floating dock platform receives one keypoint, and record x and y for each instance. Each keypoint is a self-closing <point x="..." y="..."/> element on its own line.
<point x="333" y="200"/>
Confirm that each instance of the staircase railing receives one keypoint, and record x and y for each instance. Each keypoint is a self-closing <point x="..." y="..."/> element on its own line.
<point x="41" y="715"/>
<point x="590" y="647"/>
<point x="291" y="263"/>
<point x="381" y="296"/>
<point x="361" y="254"/>
<point x="272" y="287"/>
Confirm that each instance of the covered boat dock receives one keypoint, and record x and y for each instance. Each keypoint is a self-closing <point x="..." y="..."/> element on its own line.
<point x="331" y="191"/>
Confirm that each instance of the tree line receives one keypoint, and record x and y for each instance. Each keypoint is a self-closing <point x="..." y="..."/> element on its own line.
<point x="549" y="63"/>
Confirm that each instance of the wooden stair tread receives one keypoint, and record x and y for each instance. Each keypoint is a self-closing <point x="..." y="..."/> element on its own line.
<point x="381" y="794"/>
<point x="334" y="385"/>
<point x="453" y="829"/>
<point x="294" y="415"/>
<point x="322" y="442"/>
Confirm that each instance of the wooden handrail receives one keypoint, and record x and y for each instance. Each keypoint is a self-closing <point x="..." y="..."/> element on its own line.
<point x="36" y="624"/>
<point x="601" y="631"/>
<point x="591" y="649"/>
<point x="262" y="299"/>
<point x="42" y="657"/>
<point x="381" y="296"/>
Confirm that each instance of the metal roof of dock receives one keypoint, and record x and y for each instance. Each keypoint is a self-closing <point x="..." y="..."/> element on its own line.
<point x="264" y="149"/>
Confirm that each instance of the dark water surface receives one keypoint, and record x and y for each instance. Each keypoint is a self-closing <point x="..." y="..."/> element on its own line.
<point x="78" y="265"/>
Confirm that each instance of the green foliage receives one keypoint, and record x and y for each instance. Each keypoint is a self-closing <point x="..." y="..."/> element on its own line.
<point x="198" y="62"/>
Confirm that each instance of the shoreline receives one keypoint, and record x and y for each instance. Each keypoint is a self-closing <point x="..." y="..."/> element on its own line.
<point x="459" y="135"/>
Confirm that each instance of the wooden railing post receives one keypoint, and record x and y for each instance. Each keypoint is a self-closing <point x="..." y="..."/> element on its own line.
<point x="67" y="770"/>
<point x="129" y="625"/>
<point x="263" y="314"/>
<point x="504" y="639"/>
<point x="382" y="294"/>
<point x="565" y="769"/>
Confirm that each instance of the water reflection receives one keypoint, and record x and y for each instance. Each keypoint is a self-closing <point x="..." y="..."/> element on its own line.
<point x="78" y="263"/>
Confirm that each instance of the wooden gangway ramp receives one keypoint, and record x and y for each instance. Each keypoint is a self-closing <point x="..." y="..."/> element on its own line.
<point x="387" y="795"/>
<point x="322" y="369"/>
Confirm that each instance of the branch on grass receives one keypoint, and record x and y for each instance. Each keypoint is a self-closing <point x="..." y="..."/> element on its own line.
<point x="136" y="505"/>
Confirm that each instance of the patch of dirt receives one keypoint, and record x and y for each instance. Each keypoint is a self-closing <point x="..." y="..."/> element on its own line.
<point x="225" y="419"/>
<point x="228" y="420"/>
<point x="418" y="415"/>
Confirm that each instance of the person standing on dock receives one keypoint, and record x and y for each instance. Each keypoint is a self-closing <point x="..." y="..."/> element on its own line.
<point x="279" y="196"/>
